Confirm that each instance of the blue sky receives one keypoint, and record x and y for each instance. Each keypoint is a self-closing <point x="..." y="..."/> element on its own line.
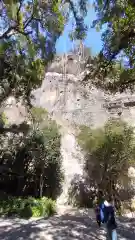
<point x="93" y="39"/>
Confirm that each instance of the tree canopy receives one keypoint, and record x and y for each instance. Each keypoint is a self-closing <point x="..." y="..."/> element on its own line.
<point x="28" y="34"/>
<point x="116" y="19"/>
<point x="29" y="31"/>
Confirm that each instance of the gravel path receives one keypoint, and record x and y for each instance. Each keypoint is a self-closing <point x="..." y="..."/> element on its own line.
<point x="75" y="225"/>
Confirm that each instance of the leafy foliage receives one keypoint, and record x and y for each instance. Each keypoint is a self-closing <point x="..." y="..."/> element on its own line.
<point x="80" y="194"/>
<point x="116" y="19"/>
<point x="27" y="207"/>
<point x="26" y="44"/>
<point x="29" y="31"/>
<point x="109" y="152"/>
<point x="30" y="164"/>
<point x="78" y="10"/>
<point x="119" y="34"/>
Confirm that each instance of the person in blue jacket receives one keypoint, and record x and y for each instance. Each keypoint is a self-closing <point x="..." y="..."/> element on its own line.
<point x="107" y="216"/>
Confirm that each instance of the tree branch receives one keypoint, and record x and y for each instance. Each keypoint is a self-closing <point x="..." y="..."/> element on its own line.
<point x="18" y="11"/>
<point x="26" y="23"/>
<point x="15" y="28"/>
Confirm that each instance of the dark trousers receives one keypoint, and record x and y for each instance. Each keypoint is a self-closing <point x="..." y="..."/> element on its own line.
<point x="98" y="219"/>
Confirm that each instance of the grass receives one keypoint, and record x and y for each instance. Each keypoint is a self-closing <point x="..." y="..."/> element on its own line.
<point x="28" y="207"/>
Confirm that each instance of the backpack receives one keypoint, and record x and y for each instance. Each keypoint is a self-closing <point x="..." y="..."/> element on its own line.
<point x="107" y="216"/>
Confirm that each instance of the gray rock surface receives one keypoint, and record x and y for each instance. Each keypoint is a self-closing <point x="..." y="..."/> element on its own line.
<point x="72" y="104"/>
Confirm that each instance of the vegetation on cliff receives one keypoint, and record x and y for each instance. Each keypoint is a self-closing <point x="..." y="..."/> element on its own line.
<point x="30" y="165"/>
<point x="114" y="67"/>
<point x="109" y="152"/>
<point x="30" y="160"/>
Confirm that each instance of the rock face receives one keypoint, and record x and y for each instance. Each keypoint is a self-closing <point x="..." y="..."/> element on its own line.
<point x="15" y="112"/>
<point x="72" y="104"/>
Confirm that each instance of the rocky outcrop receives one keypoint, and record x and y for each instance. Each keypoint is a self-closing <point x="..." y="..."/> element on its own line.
<point x="72" y="104"/>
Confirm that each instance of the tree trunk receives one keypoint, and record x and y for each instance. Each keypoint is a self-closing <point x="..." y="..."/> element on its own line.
<point x="41" y="186"/>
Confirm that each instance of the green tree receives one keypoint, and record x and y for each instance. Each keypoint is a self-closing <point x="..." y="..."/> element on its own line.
<point x="116" y="19"/>
<point x="30" y="164"/>
<point x="46" y="133"/>
<point x="28" y="34"/>
<point x="119" y="35"/>
<point x="29" y="31"/>
<point x="109" y="151"/>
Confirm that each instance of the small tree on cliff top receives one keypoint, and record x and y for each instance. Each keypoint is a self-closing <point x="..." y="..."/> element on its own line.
<point x="108" y="154"/>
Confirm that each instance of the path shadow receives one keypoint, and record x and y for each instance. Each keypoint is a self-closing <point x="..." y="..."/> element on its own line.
<point x="12" y="229"/>
<point x="77" y="226"/>
<point x="126" y="228"/>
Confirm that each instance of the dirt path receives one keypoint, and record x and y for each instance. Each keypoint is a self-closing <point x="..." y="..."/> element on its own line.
<point x="67" y="226"/>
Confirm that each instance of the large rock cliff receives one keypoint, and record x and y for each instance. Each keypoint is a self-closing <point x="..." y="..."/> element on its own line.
<point x="72" y="104"/>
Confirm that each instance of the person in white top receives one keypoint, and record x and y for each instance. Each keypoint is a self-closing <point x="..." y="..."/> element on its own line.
<point x="108" y="218"/>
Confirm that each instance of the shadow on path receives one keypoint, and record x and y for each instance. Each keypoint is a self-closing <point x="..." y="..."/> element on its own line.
<point x="79" y="226"/>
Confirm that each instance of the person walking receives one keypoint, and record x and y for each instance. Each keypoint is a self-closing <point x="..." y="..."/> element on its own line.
<point x="107" y="216"/>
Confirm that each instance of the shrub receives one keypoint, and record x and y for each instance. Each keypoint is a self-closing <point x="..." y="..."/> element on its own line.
<point x="26" y="208"/>
<point x="25" y="212"/>
<point x="109" y="152"/>
<point x="79" y="193"/>
<point x="49" y="206"/>
<point x="35" y="164"/>
<point x="37" y="211"/>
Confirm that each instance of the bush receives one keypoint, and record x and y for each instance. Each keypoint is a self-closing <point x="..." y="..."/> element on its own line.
<point x="26" y="208"/>
<point x="35" y="164"/>
<point x="109" y="152"/>
<point x="49" y="206"/>
<point x="25" y="212"/>
<point x="79" y="193"/>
